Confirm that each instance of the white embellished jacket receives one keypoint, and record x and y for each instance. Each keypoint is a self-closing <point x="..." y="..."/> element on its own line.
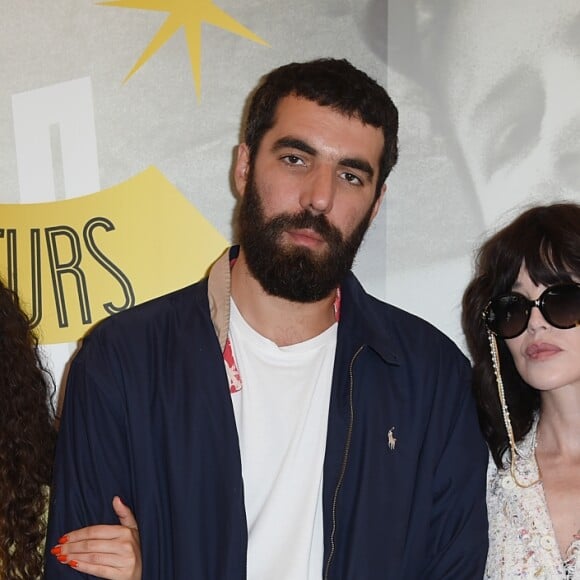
<point x="522" y="543"/>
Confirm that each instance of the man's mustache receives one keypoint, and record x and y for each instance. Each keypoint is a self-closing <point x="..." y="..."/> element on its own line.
<point x="306" y="219"/>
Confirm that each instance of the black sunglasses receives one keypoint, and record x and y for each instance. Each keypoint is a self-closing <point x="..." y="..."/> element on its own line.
<point x="507" y="315"/>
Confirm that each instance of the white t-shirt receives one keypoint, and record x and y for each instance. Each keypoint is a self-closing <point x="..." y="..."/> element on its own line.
<point x="281" y="416"/>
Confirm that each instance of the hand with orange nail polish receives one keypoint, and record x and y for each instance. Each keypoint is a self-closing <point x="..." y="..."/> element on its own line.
<point x="111" y="552"/>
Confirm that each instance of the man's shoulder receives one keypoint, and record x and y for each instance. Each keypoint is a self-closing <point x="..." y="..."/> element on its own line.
<point x="131" y="351"/>
<point x="169" y="309"/>
<point x="409" y="322"/>
<point x="406" y="331"/>
<point x="418" y="336"/>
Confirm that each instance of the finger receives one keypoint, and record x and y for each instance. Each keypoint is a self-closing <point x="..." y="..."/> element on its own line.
<point x="102" y="566"/>
<point x="100" y="532"/>
<point x="116" y="561"/>
<point x="122" y="545"/>
<point x="98" y="570"/>
<point x="124" y="513"/>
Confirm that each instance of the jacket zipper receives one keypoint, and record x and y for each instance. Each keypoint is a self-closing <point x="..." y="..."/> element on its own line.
<point x="344" y="463"/>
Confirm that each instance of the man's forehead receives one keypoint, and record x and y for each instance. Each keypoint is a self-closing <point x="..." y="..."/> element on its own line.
<point x="293" y="104"/>
<point x="294" y="114"/>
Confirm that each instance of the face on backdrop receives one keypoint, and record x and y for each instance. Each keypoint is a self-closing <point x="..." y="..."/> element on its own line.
<point x="308" y="197"/>
<point x="511" y="81"/>
<point x="547" y="358"/>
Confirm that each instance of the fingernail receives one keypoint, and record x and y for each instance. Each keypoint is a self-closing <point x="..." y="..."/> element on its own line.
<point x="62" y="558"/>
<point x="73" y="564"/>
<point x="63" y="539"/>
<point x="56" y="550"/>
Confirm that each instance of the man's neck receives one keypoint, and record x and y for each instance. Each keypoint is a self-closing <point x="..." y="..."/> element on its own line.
<point x="282" y="321"/>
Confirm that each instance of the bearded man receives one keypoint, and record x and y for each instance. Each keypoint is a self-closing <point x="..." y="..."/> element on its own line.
<point x="248" y="420"/>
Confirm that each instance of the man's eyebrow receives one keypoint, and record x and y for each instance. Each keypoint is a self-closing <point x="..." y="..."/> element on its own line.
<point x="359" y="164"/>
<point x="293" y="143"/>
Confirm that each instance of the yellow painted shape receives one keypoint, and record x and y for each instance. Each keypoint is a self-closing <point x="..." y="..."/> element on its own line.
<point x="142" y="236"/>
<point x="189" y="14"/>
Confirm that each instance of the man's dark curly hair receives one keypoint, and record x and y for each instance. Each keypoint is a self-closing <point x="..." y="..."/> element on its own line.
<point x="27" y="438"/>
<point x="330" y="83"/>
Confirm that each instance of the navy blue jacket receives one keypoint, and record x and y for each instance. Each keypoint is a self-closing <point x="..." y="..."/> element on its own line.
<point x="148" y="416"/>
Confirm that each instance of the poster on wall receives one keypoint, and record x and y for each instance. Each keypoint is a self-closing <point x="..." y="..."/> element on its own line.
<point x="490" y="112"/>
<point x="119" y="122"/>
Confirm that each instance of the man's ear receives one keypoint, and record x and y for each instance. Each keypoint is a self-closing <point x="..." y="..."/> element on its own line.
<point x="242" y="168"/>
<point x="378" y="202"/>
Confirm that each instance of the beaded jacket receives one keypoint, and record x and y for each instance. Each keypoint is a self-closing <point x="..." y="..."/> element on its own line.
<point x="522" y="543"/>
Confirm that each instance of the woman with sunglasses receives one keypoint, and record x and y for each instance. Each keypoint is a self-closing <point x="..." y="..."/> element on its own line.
<point x="27" y="439"/>
<point x="521" y="317"/>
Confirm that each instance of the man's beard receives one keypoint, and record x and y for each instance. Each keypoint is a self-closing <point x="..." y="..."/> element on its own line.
<point x="295" y="273"/>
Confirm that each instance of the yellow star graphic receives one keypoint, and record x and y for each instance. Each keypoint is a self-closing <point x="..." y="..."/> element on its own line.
<point x="189" y="14"/>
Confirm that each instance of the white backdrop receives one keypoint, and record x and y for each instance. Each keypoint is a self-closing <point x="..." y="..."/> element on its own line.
<point x="490" y="118"/>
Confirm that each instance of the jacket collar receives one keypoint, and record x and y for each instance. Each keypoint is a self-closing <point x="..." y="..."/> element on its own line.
<point x="219" y="289"/>
<point x="358" y="323"/>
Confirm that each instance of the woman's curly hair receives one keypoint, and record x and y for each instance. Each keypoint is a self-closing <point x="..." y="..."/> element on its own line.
<point x="27" y="439"/>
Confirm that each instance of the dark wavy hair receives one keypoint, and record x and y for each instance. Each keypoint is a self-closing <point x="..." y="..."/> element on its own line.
<point x="329" y="83"/>
<point x="546" y="239"/>
<point x="27" y="439"/>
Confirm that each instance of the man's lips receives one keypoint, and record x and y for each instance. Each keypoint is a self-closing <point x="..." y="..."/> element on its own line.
<point x="306" y="237"/>
<point x="541" y="350"/>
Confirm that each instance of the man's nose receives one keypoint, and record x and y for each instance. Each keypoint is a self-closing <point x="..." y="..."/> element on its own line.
<point x="319" y="190"/>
